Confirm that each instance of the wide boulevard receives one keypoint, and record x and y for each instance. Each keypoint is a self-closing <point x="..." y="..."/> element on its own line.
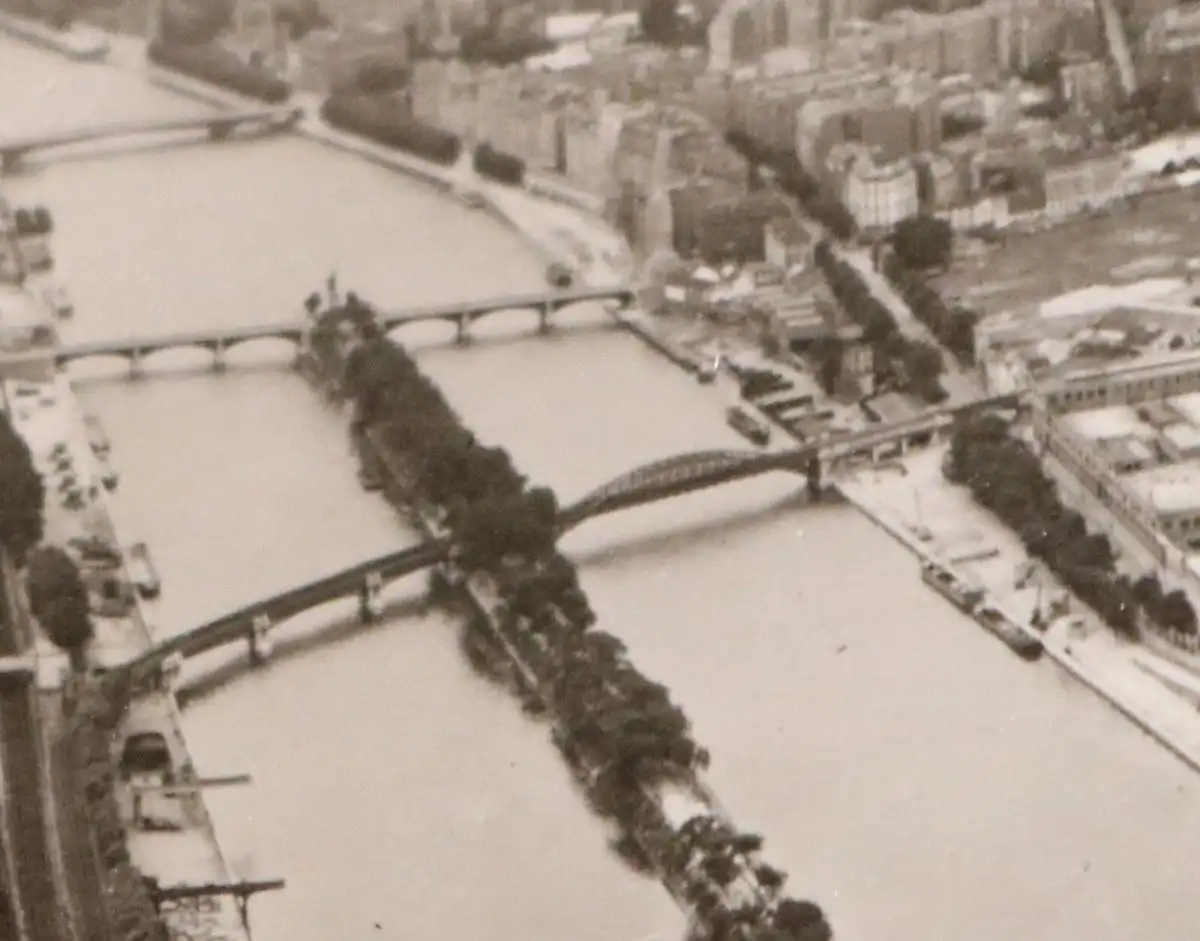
<point x="910" y="773"/>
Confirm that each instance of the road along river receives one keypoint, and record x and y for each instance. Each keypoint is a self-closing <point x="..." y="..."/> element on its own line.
<point x="910" y="773"/>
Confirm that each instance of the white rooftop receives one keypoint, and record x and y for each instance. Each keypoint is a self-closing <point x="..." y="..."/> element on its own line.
<point x="1183" y="436"/>
<point x="1098" y="298"/>
<point x="1188" y="406"/>
<point x="1171" y="489"/>
<point x="1101" y="424"/>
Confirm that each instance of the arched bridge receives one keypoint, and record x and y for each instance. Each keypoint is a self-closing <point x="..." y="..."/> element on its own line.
<point x="218" y="126"/>
<point x="660" y="480"/>
<point x="545" y="305"/>
<point x="217" y="341"/>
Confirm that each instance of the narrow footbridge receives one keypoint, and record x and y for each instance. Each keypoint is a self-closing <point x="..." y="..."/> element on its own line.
<point x="217" y="126"/>
<point x="660" y="480"/>
<point x="463" y="313"/>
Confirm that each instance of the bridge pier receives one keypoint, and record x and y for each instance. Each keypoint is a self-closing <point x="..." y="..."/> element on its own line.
<point x="136" y="369"/>
<point x="544" y="324"/>
<point x="370" y="600"/>
<point x="220" y="130"/>
<point x="170" y="672"/>
<point x="462" y="335"/>
<point x="261" y="645"/>
<point x="219" y="357"/>
<point x="813" y="477"/>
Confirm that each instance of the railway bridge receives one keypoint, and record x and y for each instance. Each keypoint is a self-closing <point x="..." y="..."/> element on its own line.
<point x="660" y="480"/>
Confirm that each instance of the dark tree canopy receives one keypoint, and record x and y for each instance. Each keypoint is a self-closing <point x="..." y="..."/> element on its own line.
<point x="923" y="241"/>
<point x="620" y="732"/>
<point x="22" y="494"/>
<point x="58" y="599"/>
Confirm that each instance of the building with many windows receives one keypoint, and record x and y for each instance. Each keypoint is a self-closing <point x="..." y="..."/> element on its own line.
<point x="880" y="193"/>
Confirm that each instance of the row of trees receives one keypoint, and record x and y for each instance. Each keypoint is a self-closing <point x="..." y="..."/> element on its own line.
<point x="620" y="733"/>
<point x="818" y="201"/>
<point x="1005" y="475"/>
<point x="911" y="365"/>
<point x="918" y="244"/>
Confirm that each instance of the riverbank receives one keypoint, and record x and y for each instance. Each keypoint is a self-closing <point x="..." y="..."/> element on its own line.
<point x="181" y="847"/>
<point x="1078" y="644"/>
<point x="458" y="180"/>
<point x="79" y="42"/>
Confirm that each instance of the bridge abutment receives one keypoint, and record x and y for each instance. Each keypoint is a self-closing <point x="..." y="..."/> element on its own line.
<point x="813" y="477"/>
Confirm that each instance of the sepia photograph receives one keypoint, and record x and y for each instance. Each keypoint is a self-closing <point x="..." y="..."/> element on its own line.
<point x="599" y="470"/>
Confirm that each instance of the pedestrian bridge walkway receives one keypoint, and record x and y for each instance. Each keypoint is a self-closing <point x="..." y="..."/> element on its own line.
<point x="217" y="126"/>
<point x="659" y="480"/>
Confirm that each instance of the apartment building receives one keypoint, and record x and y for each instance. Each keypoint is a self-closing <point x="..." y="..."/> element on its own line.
<point x="1077" y="180"/>
<point x="880" y="192"/>
<point x="897" y="120"/>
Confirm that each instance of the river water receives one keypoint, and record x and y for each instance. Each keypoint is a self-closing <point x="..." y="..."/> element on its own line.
<point x="912" y="775"/>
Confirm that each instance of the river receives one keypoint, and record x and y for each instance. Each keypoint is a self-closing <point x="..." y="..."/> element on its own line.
<point x="912" y="775"/>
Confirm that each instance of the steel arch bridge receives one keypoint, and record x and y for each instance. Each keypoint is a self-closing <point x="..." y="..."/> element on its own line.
<point x="676" y="475"/>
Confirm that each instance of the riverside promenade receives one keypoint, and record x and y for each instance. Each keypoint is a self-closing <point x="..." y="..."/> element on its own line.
<point x="182" y="848"/>
<point x="935" y="519"/>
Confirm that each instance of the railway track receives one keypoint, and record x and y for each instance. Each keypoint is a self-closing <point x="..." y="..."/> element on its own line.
<point x="33" y="888"/>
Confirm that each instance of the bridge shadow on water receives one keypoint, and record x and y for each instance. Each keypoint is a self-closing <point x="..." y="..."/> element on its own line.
<point x="347" y="626"/>
<point x="291" y="645"/>
<point x="93" y="373"/>
<point x="682" y="537"/>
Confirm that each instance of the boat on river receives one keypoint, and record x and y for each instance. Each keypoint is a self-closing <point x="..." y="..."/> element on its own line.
<point x="960" y="592"/>
<point x="1020" y="641"/>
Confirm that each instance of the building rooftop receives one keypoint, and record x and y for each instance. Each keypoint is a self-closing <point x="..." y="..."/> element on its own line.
<point x="1183" y="436"/>
<point x="1172" y="489"/>
<point x="1102" y="424"/>
<point x="1187" y="407"/>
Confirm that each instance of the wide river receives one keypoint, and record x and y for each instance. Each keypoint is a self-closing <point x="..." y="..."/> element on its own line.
<point x="912" y="775"/>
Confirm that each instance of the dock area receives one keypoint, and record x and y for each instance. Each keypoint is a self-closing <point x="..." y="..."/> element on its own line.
<point x="186" y="851"/>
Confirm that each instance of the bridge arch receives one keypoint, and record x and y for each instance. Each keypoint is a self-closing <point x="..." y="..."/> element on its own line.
<point x="678" y="474"/>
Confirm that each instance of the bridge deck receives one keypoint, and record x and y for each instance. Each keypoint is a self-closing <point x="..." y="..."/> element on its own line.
<point x="283" y="116"/>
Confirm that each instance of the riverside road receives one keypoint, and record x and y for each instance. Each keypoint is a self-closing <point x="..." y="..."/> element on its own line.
<point x="907" y="771"/>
